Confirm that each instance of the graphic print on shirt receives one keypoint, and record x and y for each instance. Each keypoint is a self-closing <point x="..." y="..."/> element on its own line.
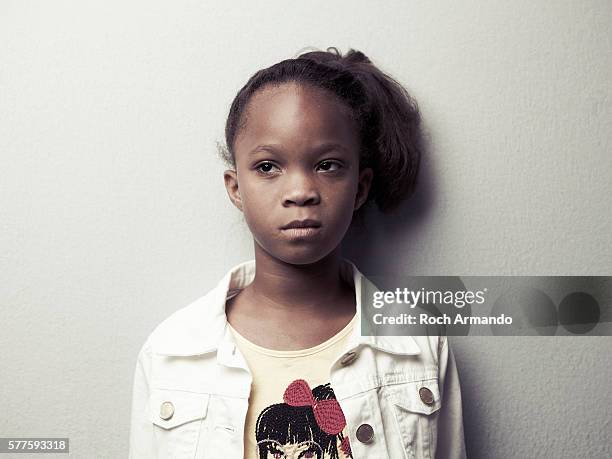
<point x="307" y="425"/>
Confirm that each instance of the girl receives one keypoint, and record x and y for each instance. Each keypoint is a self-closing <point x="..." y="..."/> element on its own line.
<point x="309" y="141"/>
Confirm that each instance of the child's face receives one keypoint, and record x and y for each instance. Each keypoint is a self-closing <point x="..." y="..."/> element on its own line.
<point x="297" y="158"/>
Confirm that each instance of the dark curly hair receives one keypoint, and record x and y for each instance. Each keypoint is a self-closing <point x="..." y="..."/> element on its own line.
<point x="387" y="116"/>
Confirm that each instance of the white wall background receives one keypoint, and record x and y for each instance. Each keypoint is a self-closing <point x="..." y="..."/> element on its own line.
<point x="113" y="212"/>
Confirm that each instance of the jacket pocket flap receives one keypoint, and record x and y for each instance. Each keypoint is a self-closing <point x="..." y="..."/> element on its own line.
<point x="418" y="397"/>
<point x="171" y="408"/>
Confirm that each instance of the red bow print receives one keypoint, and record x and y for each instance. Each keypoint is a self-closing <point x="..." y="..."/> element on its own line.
<point x="328" y="414"/>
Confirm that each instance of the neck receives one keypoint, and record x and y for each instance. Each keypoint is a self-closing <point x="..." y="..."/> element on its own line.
<point x="292" y="288"/>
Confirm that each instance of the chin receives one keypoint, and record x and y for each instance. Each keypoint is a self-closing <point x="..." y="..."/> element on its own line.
<point x="305" y="258"/>
<point x="304" y="255"/>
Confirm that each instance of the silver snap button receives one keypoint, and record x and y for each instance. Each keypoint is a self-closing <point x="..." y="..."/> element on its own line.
<point x="348" y="358"/>
<point x="166" y="410"/>
<point x="365" y="433"/>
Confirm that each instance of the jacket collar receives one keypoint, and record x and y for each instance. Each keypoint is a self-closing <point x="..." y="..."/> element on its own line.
<point x="201" y="327"/>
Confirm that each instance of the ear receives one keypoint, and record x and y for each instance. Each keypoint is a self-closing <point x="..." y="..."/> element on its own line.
<point x="231" y="185"/>
<point x="363" y="186"/>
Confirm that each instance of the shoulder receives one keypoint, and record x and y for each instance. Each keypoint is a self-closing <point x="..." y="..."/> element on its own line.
<point x="434" y="344"/>
<point x="425" y="340"/>
<point x="430" y="347"/>
<point x="179" y="333"/>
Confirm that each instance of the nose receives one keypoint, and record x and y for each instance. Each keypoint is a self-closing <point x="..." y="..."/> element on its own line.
<point x="301" y="192"/>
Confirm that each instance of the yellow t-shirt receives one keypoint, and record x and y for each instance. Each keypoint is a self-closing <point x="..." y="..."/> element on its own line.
<point x="293" y="412"/>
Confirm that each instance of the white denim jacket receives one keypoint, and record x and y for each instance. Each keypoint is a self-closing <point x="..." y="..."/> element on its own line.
<point x="192" y="384"/>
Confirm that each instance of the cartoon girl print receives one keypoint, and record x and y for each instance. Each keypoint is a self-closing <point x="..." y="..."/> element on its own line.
<point x="307" y="425"/>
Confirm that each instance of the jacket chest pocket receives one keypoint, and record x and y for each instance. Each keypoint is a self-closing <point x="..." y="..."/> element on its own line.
<point x="414" y="407"/>
<point x="178" y="417"/>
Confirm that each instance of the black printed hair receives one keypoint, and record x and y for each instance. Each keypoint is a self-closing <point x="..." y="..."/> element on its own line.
<point x="295" y="424"/>
<point x="387" y="116"/>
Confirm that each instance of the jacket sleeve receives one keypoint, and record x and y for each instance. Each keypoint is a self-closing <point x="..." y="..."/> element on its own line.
<point x="451" y="442"/>
<point x="142" y="436"/>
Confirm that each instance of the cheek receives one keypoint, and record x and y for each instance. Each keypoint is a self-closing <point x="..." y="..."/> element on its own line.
<point x="253" y="195"/>
<point x="257" y="206"/>
<point x="344" y="201"/>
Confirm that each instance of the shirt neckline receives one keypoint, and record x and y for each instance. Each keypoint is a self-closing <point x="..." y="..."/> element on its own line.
<point x="298" y="352"/>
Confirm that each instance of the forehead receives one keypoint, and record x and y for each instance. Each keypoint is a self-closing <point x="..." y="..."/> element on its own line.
<point x="291" y="112"/>
<point x="300" y="95"/>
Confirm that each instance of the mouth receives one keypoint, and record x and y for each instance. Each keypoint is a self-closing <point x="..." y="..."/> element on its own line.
<point x="302" y="224"/>
<point x="302" y="229"/>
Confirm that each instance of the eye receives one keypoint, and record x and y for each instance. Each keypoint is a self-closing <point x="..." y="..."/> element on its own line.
<point x="275" y="452"/>
<point x="328" y="165"/>
<point x="264" y="167"/>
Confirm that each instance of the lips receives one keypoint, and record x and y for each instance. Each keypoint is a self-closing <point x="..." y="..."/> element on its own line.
<point x="308" y="223"/>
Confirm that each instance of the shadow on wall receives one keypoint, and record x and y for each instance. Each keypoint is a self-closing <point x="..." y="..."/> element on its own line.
<point x="381" y="247"/>
<point x="373" y="244"/>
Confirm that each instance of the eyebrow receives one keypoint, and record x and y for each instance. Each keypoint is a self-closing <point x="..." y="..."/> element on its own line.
<point x="318" y="150"/>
